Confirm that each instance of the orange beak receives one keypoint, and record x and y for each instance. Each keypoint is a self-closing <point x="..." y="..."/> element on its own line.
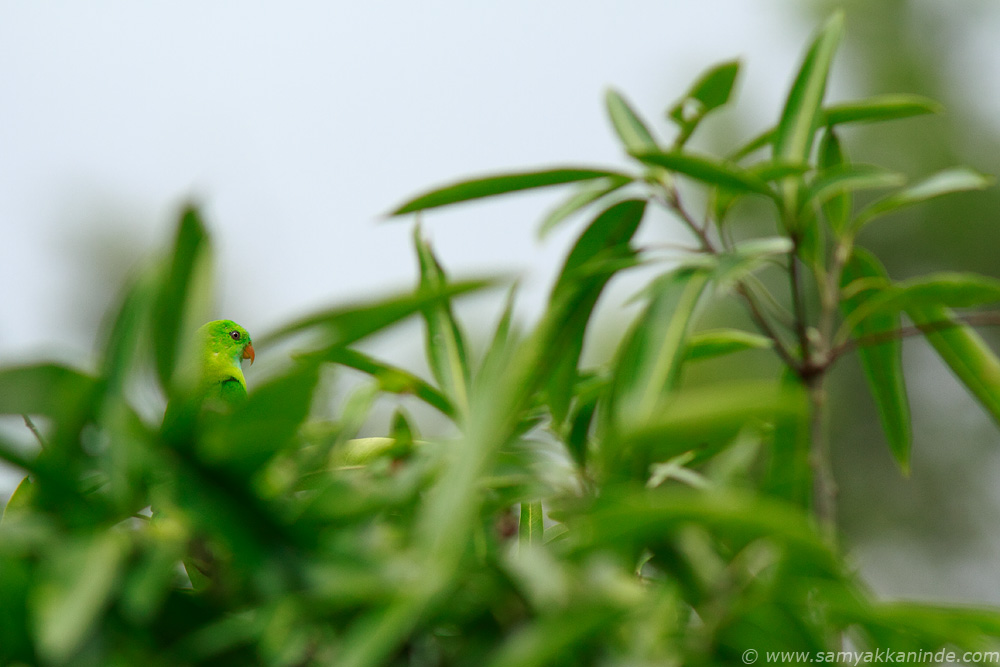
<point x="248" y="353"/>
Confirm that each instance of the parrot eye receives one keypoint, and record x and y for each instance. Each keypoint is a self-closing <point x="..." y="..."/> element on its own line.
<point x="235" y="335"/>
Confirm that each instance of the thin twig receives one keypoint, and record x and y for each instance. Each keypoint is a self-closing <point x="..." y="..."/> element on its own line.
<point x="982" y="319"/>
<point x="34" y="429"/>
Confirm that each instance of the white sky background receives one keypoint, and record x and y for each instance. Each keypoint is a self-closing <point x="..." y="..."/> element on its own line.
<point x="297" y="125"/>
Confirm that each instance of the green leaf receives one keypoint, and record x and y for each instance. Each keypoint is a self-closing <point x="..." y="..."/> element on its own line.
<point x="881" y="108"/>
<point x="708" y="170"/>
<point x="444" y="341"/>
<point x="20" y="499"/>
<point x="965" y="352"/>
<point x="263" y="425"/>
<point x="78" y="584"/>
<point x="626" y="515"/>
<point x="838" y="181"/>
<point x="44" y="389"/>
<point x="586" y="194"/>
<point x="597" y="254"/>
<point x="875" y="109"/>
<point x="838" y="206"/>
<point x="634" y="134"/>
<point x="709" y="92"/>
<point x="705" y="419"/>
<point x="947" y="290"/>
<point x="648" y="362"/>
<point x="184" y="297"/>
<point x="956" y="179"/>
<point x="802" y="112"/>
<point x="531" y="527"/>
<point x="882" y="362"/>
<point x="391" y="378"/>
<point x="789" y="471"/>
<point x="718" y="342"/>
<point x="500" y="184"/>
<point x="344" y="325"/>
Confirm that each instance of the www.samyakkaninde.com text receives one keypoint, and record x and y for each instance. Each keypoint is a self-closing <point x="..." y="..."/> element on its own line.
<point x="876" y="657"/>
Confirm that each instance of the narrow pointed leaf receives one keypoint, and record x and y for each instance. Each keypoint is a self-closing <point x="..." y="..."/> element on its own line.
<point x="444" y="340"/>
<point x="836" y="183"/>
<point x="882" y="362"/>
<point x="966" y="353"/>
<point x="346" y="324"/>
<point x="649" y="359"/>
<point x="597" y="254"/>
<point x="392" y="378"/>
<point x="708" y="170"/>
<point x="881" y="108"/>
<point x="957" y="179"/>
<point x="718" y="342"/>
<point x="489" y="186"/>
<point x="947" y="290"/>
<point x="531" y="527"/>
<point x="710" y="91"/>
<point x="182" y="294"/>
<point x="630" y="128"/>
<point x="802" y="113"/>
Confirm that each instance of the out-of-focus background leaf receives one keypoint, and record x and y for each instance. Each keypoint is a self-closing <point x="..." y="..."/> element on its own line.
<point x="297" y="131"/>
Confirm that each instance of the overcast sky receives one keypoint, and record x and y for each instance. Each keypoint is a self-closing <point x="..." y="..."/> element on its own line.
<point x="298" y="125"/>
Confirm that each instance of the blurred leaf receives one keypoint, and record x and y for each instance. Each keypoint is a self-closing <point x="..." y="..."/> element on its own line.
<point x="531" y="527"/>
<point x="965" y="352"/>
<point x="44" y="389"/>
<point x="956" y="179"/>
<point x="881" y="108"/>
<point x="255" y="431"/>
<point x="708" y="170"/>
<point x="78" y="585"/>
<point x="391" y="378"/>
<point x="550" y="639"/>
<point x="445" y="343"/>
<point x="789" y="470"/>
<point x="874" y="109"/>
<point x="719" y="342"/>
<point x="838" y="206"/>
<point x="648" y="362"/>
<point x="623" y="515"/>
<point x="705" y="419"/>
<point x="949" y="290"/>
<point x="837" y="182"/>
<point x="709" y="92"/>
<point x="882" y="362"/>
<point x="180" y="292"/>
<point x="586" y="271"/>
<point x="586" y="194"/>
<point x="500" y="184"/>
<point x="347" y="324"/>
<point x="497" y="348"/>
<point x="802" y="112"/>
<point x="20" y="499"/>
<point x="634" y="134"/>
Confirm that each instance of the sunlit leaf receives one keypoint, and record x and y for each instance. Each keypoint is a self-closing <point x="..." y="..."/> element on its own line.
<point x="880" y="108"/>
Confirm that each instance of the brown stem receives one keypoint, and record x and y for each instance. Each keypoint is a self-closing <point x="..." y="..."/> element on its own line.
<point x="34" y="430"/>
<point x="968" y="319"/>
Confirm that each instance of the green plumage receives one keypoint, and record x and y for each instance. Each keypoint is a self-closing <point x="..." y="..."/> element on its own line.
<point x="224" y="345"/>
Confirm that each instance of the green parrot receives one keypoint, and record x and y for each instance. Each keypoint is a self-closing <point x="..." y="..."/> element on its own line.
<point x="223" y="347"/>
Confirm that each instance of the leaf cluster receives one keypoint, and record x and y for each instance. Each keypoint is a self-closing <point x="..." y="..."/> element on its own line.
<point x="573" y="515"/>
